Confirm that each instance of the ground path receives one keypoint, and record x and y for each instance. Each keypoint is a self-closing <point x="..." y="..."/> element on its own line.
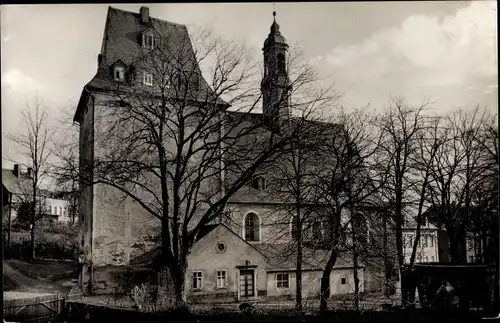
<point x="29" y="287"/>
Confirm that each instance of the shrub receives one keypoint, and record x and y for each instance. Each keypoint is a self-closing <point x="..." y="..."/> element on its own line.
<point x="48" y="246"/>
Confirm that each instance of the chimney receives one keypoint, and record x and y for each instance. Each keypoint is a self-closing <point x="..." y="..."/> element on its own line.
<point x="144" y="15"/>
<point x="30" y="170"/>
<point x="16" y="170"/>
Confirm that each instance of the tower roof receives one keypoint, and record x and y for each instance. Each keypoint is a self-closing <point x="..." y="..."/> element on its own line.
<point x="275" y="36"/>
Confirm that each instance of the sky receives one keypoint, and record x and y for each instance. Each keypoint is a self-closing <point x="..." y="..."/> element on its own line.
<point x="442" y="51"/>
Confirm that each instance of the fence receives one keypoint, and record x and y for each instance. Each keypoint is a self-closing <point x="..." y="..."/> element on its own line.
<point x="41" y="308"/>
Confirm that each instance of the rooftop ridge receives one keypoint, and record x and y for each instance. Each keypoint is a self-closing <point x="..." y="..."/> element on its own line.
<point x="152" y="18"/>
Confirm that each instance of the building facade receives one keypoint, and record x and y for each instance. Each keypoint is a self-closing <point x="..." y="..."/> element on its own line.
<point x="17" y="189"/>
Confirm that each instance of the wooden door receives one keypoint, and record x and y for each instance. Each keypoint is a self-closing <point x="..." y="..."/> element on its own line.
<point x="247" y="283"/>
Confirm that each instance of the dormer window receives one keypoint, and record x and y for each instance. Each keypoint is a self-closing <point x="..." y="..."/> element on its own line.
<point x="147" y="79"/>
<point x="148" y="40"/>
<point x="119" y="73"/>
<point x="259" y="183"/>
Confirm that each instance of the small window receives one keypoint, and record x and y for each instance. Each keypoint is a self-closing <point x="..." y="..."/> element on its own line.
<point x="432" y="241"/>
<point x="432" y="259"/>
<point x="148" y="41"/>
<point x="197" y="280"/>
<point x="221" y="278"/>
<point x="148" y="78"/>
<point x="343" y="280"/>
<point x="471" y="258"/>
<point x="282" y="280"/>
<point x="60" y="211"/>
<point x="119" y="73"/>
<point x="425" y="240"/>
<point x="426" y="259"/>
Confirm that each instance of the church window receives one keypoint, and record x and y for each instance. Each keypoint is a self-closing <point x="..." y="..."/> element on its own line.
<point x="252" y="227"/>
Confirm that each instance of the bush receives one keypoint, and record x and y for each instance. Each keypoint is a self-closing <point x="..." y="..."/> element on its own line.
<point x="48" y="246"/>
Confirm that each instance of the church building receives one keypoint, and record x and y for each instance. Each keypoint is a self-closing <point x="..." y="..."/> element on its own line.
<point x="232" y="260"/>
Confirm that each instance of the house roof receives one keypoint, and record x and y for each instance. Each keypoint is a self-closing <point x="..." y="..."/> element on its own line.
<point x="121" y="42"/>
<point x="282" y="257"/>
<point x="15" y="184"/>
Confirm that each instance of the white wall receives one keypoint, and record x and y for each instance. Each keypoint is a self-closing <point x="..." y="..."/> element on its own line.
<point x="59" y="207"/>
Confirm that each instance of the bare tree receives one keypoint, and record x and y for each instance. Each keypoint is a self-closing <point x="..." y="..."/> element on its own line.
<point x="33" y="142"/>
<point x="173" y="148"/>
<point x="456" y="174"/>
<point x="402" y="126"/>
<point x="349" y="179"/>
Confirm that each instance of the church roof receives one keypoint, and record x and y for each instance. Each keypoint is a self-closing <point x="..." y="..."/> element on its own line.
<point x="122" y="42"/>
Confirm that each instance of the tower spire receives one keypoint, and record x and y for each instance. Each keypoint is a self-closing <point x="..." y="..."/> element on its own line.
<point x="274" y="11"/>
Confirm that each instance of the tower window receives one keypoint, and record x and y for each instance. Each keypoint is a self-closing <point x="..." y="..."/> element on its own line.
<point x="148" y="78"/>
<point x="281" y="63"/>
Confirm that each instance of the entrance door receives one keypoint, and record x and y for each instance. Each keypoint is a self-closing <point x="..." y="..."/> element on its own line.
<point x="247" y="287"/>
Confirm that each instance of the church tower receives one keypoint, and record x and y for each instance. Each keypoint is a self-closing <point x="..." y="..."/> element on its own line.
<point x="275" y="85"/>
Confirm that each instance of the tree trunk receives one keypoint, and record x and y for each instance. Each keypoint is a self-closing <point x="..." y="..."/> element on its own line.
<point x="180" y="289"/>
<point x="298" y="279"/>
<point x="325" y="282"/>
<point x="386" y="262"/>
<point x="166" y="290"/>
<point x="356" y="279"/>
<point x="10" y="221"/>
<point x="407" y="287"/>
<point x="298" y="271"/>
<point x="33" y="245"/>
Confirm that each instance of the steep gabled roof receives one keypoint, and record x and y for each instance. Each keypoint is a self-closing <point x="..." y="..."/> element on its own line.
<point x="122" y="41"/>
<point x="15" y="184"/>
<point x="149" y="256"/>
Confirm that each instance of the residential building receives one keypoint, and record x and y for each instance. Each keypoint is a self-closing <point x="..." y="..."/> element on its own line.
<point x="475" y="239"/>
<point x="17" y="188"/>
<point x="427" y="247"/>
<point x="238" y="258"/>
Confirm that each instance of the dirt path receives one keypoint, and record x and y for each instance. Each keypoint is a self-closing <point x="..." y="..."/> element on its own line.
<point x="27" y="284"/>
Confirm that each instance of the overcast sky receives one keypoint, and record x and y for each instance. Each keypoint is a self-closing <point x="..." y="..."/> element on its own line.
<point x="443" y="51"/>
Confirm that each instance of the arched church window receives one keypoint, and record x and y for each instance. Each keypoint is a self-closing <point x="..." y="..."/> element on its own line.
<point x="281" y="63"/>
<point x="252" y="227"/>
<point x="360" y="228"/>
